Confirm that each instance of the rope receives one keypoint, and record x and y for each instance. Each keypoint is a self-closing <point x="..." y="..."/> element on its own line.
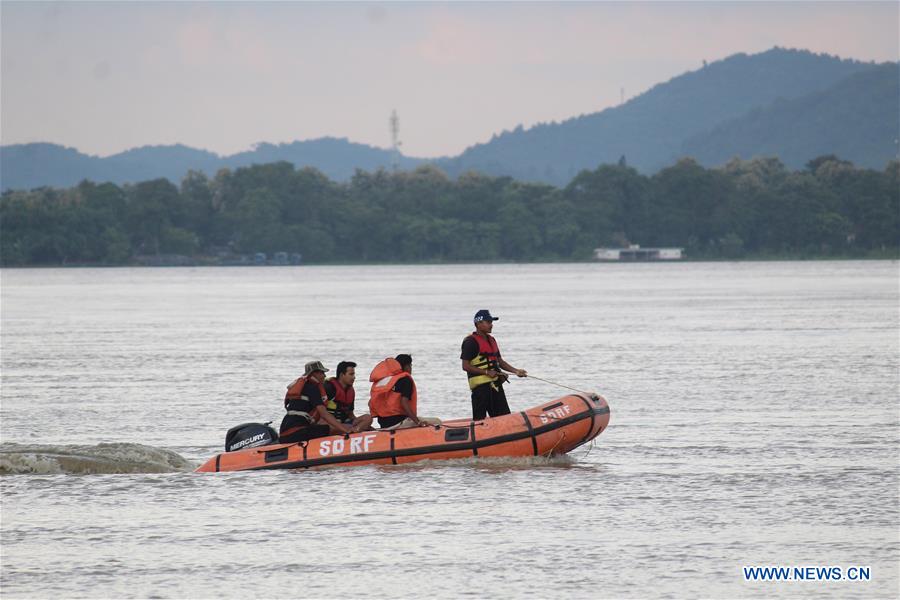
<point x="530" y="376"/>
<point x="590" y="448"/>
<point x="558" y="442"/>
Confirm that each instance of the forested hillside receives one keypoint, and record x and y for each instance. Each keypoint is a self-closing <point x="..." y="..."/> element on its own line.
<point x="859" y="117"/>
<point x="650" y="130"/>
<point x="754" y="208"/>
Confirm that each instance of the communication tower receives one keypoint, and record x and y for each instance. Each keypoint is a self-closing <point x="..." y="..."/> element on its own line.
<point x="395" y="140"/>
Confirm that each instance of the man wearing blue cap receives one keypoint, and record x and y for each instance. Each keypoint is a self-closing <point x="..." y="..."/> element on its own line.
<point x="482" y="363"/>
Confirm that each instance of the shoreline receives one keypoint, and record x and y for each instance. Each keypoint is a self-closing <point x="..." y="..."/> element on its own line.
<point x="205" y="264"/>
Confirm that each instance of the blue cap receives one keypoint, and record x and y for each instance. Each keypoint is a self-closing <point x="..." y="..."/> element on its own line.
<point x="485" y="315"/>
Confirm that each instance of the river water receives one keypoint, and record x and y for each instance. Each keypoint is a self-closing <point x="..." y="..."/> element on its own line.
<point x="754" y="423"/>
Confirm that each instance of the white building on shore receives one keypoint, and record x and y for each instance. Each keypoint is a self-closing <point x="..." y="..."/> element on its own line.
<point x="635" y="253"/>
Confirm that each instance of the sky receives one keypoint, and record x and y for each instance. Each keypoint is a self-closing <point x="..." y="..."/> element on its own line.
<point x="104" y="77"/>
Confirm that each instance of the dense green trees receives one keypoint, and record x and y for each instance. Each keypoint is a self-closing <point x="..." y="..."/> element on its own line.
<point x="753" y="208"/>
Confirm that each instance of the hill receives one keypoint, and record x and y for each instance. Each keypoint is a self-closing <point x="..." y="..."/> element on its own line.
<point x="27" y="166"/>
<point x="337" y="158"/>
<point x="858" y="119"/>
<point x="650" y="130"/>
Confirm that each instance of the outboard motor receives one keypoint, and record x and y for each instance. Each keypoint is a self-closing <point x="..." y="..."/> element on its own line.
<point x="250" y="435"/>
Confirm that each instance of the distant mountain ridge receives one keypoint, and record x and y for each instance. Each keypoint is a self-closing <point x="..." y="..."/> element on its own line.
<point x="651" y="129"/>
<point x="790" y="103"/>
<point x="26" y="166"/>
<point x="858" y="117"/>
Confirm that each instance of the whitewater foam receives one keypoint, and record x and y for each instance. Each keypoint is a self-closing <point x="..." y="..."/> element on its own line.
<point x="19" y="459"/>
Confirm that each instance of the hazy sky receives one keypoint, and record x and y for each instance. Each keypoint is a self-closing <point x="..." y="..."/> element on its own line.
<point x="107" y="76"/>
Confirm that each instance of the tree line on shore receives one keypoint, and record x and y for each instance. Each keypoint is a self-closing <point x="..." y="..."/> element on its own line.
<point x="747" y="209"/>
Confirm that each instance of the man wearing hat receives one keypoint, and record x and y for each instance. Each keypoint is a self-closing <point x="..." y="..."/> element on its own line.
<point x="307" y="417"/>
<point x="482" y="363"/>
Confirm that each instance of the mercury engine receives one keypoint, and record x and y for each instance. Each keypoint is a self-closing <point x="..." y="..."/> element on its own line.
<point x="250" y="435"/>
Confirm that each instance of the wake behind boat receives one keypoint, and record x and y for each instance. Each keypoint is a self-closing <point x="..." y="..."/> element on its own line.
<point x="549" y="429"/>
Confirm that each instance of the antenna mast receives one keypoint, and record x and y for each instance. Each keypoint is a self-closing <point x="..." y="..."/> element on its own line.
<point x="395" y="140"/>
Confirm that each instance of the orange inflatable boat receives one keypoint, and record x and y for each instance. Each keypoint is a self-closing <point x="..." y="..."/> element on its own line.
<point x="549" y="429"/>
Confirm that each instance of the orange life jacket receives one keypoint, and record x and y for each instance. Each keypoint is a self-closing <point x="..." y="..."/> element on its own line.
<point x="294" y="401"/>
<point x="384" y="402"/>
<point x="488" y="357"/>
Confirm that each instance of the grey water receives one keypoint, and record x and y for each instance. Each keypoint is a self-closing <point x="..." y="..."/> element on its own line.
<point x="755" y="422"/>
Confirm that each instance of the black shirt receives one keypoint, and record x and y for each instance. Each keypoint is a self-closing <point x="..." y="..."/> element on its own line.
<point x="404" y="387"/>
<point x="310" y="398"/>
<point x="312" y="391"/>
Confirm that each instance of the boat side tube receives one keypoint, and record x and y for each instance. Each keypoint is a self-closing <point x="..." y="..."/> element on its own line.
<point x="550" y="429"/>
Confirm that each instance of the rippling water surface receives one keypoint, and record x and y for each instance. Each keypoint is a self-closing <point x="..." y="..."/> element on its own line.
<point x="754" y="422"/>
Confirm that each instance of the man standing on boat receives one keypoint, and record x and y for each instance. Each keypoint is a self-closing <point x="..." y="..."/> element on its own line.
<point x="482" y="363"/>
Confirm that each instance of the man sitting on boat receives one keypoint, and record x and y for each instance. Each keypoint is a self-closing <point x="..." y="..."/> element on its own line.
<point x="340" y="396"/>
<point x="305" y="405"/>
<point x="482" y="363"/>
<point x="393" y="396"/>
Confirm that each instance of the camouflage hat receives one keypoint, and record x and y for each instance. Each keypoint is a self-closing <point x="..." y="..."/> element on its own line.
<point x="313" y="366"/>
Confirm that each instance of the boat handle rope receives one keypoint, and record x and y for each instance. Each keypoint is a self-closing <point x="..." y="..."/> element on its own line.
<point x="538" y="415"/>
<point x="301" y="444"/>
<point x="590" y="448"/>
<point x="558" y="442"/>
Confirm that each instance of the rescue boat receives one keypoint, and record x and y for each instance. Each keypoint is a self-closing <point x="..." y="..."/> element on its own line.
<point x="549" y="429"/>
